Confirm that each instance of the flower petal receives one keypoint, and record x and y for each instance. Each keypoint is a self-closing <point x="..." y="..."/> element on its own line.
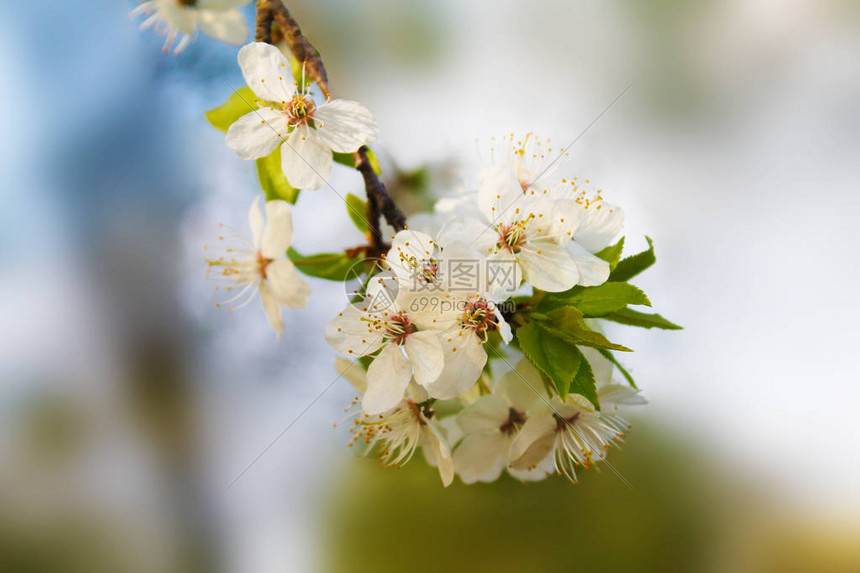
<point x="256" y="134"/>
<point x="353" y="372"/>
<point x="481" y="457"/>
<point x="305" y="161"/>
<point x="256" y="222"/>
<point x="348" y="334"/>
<point x="484" y="416"/>
<point x="548" y="266"/>
<point x="272" y="307"/>
<point x="463" y="361"/>
<point x="410" y="254"/>
<point x="439" y="452"/>
<point x="425" y="353"/>
<point x="504" y="275"/>
<point x="344" y="125"/>
<point x="287" y="286"/>
<point x="228" y="25"/>
<point x="600" y="226"/>
<point x="534" y="441"/>
<point x="278" y="231"/>
<point x="267" y="72"/>
<point x="387" y="378"/>
<point x="498" y="195"/>
<point x="593" y="271"/>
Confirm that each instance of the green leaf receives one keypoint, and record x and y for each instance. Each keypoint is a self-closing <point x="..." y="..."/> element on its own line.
<point x="631" y="266"/>
<point x="612" y="254"/>
<point x="357" y="209"/>
<point x="567" y="322"/>
<point x="583" y="382"/>
<point x="556" y="358"/>
<point x="611" y="357"/>
<point x="331" y="266"/>
<point x="348" y="160"/>
<point x="240" y="102"/>
<point x="641" y="319"/>
<point x="598" y="300"/>
<point x="272" y="179"/>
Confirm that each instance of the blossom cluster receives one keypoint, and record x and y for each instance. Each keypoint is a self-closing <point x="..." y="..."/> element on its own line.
<point x="477" y="338"/>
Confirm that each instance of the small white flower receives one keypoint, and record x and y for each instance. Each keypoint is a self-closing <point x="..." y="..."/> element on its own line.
<point x="405" y="351"/>
<point x="288" y="115"/>
<point x="524" y="236"/>
<point x="261" y="264"/>
<point x="490" y="425"/>
<point x="399" y="431"/>
<point x="178" y="20"/>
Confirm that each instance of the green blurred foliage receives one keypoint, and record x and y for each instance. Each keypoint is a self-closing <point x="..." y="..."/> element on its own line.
<point x="403" y="520"/>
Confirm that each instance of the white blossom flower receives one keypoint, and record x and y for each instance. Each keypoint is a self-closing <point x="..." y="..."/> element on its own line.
<point x="178" y="20"/>
<point x="599" y="225"/>
<point x="261" y="264"/>
<point x="288" y="116"/>
<point x="490" y="425"/>
<point x="524" y="236"/>
<point x="399" y="431"/>
<point x="404" y="350"/>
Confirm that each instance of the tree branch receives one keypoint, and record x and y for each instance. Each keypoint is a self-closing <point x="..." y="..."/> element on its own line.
<point x="379" y="202"/>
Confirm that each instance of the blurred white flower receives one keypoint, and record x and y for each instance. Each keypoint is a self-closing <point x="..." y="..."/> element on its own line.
<point x="178" y="20"/>
<point x="490" y="425"/>
<point x="288" y="115"/>
<point x="261" y="264"/>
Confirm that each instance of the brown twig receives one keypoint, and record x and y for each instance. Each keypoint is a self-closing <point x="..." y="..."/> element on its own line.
<point x="379" y="202"/>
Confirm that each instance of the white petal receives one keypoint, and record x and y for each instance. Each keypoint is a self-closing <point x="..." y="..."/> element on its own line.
<point x="257" y="134"/>
<point x="387" y="378"/>
<point x="431" y="438"/>
<point x="272" y="307"/>
<point x="228" y="26"/>
<point x="464" y="359"/>
<point x="504" y="275"/>
<point x="287" y="286"/>
<point x="267" y="72"/>
<point x="353" y="372"/>
<point x="425" y="353"/>
<point x="464" y="235"/>
<point x="485" y="415"/>
<point x="348" y="334"/>
<point x="621" y="394"/>
<point x="599" y="227"/>
<point x="256" y="222"/>
<point x="180" y="17"/>
<point x="548" y="266"/>
<point x="534" y="441"/>
<point x="544" y="468"/>
<point x="344" y="125"/>
<point x="503" y="326"/>
<point x="481" y="457"/>
<point x="593" y="271"/>
<point x="520" y="393"/>
<point x="410" y="252"/>
<point x="305" y="161"/>
<point x="499" y="195"/>
<point x="278" y="232"/>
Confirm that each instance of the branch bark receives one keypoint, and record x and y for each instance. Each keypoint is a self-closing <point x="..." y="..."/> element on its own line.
<point x="379" y="202"/>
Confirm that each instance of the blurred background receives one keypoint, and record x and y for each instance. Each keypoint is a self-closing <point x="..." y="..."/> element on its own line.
<point x="129" y="404"/>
